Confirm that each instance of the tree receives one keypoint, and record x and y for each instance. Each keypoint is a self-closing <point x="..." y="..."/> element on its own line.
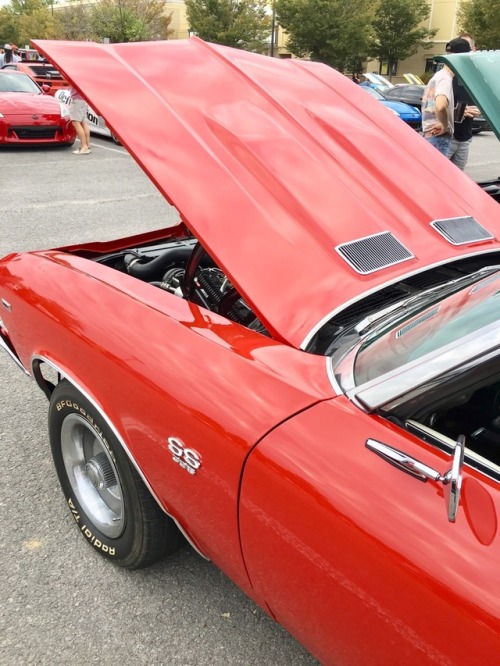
<point x="335" y="32"/>
<point x="22" y="20"/>
<point x="28" y="6"/>
<point x="479" y="18"/>
<point x="399" y="31"/>
<point x="8" y="26"/>
<point x="130" y="20"/>
<point x="40" y="23"/>
<point x="76" y="21"/>
<point x="243" y="24"/>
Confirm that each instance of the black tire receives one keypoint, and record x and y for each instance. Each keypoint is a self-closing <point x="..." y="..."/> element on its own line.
<point x="111" y="505"/>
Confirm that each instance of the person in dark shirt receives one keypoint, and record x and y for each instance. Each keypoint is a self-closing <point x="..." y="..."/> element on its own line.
<point x="462" y="131"/>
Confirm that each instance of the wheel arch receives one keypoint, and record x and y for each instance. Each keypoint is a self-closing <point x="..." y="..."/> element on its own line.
<point x="47" y="386"/>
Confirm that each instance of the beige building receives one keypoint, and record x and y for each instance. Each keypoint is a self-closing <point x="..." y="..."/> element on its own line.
<point x="179" y="22"/>
<point x="443" y="17"/>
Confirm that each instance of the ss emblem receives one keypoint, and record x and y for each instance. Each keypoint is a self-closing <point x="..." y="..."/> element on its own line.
<point x="188" y="459"/>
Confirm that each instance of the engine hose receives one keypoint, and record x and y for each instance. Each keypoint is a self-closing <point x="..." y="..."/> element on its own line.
<point x="148" y="270"/>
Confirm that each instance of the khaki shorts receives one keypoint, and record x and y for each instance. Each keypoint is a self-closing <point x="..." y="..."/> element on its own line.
<point x="78" y="110"/>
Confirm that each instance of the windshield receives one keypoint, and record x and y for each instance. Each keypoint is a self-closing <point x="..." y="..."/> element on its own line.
<point x="373" y="92"/>
<point x="434" y="323"/>
<point x="10" y="82"/>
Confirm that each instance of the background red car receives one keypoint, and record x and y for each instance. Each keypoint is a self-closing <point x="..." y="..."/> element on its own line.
<point x="42" y="72"/>
<point x="28" y="116"/>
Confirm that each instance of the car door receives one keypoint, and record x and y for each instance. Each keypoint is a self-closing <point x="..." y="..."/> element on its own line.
<point x="357" y="558"/>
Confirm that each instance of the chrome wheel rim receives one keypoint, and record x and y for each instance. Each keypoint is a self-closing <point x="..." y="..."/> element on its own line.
<point x="93" y="476"/>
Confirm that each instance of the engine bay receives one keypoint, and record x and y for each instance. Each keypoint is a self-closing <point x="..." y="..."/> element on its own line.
<point x="182" y="267"/>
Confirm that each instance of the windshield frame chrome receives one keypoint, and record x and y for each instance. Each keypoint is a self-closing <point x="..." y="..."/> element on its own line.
<point x="387" y="388"/>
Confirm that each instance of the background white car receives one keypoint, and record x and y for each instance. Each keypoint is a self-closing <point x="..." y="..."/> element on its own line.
<point x="96" y="122"/>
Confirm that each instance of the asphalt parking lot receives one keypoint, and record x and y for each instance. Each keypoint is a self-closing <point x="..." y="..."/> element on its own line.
<point x="60" y="602"/>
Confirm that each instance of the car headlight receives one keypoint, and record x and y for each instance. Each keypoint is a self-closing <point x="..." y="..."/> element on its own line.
<point x="1" y="115"/>
<point x="64" y="110"/>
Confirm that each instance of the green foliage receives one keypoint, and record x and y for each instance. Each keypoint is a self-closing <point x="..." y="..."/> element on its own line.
<point x="129" y="20"/>
<point x="8" y="27"/>
<point x="75" y="21"/>
<point x="480" y="18"/>
<point x="27" y="6"/>
<point x="399" y="31"/>
<point x="118" y="20"/>
<point x="336" y="32"/>
<point x="23" y="20"/>
<point x="242" y="24"/>
<point x="40" y="23"/>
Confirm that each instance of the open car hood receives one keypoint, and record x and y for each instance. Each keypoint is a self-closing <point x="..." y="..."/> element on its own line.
<point x="479" y="71"/>
<point x="413" y="79"/>
<point x="273" y="165"/>
<point x="378" y="79"/>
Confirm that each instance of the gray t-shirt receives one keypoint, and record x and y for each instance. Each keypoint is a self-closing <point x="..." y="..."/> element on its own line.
<point x="440" y="84"/>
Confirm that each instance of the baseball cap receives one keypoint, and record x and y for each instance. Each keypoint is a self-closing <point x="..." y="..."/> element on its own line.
<point x="458" y="45"/>
<point x="8" y="47"/>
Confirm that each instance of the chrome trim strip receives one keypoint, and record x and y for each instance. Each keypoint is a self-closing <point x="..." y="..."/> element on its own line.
<point x="6" y="305"/>
<point x="331" y="375"/>
<point x="447" y="444"/>
<point x="398" y="382"/>
<point x="424" y="430"/>
<point x="9" y="351"/>
<point x="122" y="442"/>
<point x="383" y="285"/>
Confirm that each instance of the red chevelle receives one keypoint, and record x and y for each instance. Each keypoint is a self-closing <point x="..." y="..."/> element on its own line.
<point x="30" y="117"/>
<point x="301" y="378"/>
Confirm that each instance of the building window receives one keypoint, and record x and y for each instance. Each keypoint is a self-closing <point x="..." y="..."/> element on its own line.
<point x="385" y="70"/>
<point x="430" y="65"/>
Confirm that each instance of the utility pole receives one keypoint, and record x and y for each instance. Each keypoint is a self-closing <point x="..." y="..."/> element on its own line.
<point x="273" y="29"/>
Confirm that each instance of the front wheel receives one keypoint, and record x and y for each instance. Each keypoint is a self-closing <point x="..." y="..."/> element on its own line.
<point x="111" y="505"/>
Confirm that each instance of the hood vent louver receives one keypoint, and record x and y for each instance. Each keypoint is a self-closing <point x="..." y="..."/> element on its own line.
<point x="461" y="230"/>
<point x="374" y="253"/>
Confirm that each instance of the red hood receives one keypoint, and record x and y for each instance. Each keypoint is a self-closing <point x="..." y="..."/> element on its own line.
<point x="16" y="103"/>
<point x="272" y="164"/>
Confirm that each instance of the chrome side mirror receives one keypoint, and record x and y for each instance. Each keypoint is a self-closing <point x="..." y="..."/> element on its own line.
<point x="417" y="469"/>
<point x="454" y="478"/>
